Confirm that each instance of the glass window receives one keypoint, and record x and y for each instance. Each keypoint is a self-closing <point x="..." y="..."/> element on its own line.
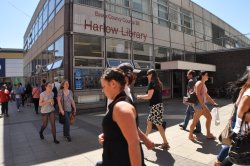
<point x="189" y="56"/>
<point x="79" y="62"/>
<point x="59" y="5"/>
<point x="174" y="17"/>
<point x="87" y="78"/>
<point x="57" y="64"/>
<point x="51" y="9"/>
<point x="59" y="47"/>
<point x="118" y="49"/>
<point x="207" y="30"/>
<point x="162" y="54"/>
<point x="177" y="55"/>
<point x="41" y="20"/>
<point x="94" y="3"/>
<point x="87" y="46"/>
<point x="45" y="15"/>
<point x="115" y="63"/>
<point x="187" y="22"/>
<point x="48" y="67"/>
<point x="142" y="51"/>
<point x="50" y="54"/>
<point x="141" y="9"/>
<point x="117" y="9"/>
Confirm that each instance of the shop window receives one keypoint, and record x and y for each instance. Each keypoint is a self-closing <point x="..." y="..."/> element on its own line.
<point x="87" y="78"/>
<point x="142" y="51"/>
<point x="118" y="49"/>
<point x="143" y="65"/>
<point x="115" y="63"/>
<point x="88" y="46"/>
<point x="79" y="62"/>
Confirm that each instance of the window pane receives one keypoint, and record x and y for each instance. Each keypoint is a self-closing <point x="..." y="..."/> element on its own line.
<point x="88" y="62"/>
<point x="87" y="46"/>
<point x="57" y="64"/>
<point x="59" y="48"/>
<point x="162" y="54"/>
<point x="87" y="78"/>
<point x="59" y="6"/>
<point x="142" y="51"/>
<point x="177" y="55"/>
<point x="118" y="49"/>
<point x="94" y="3"/>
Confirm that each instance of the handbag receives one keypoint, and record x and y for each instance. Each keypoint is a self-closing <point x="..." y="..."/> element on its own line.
<point x="225" y="135"/>
<point x="239" y="152"/>
<point x="164" y="124"/>
<point x="192" y="98"/>
<point x="72" y="118"/>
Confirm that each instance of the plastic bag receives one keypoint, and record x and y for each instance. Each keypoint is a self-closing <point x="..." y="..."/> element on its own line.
<point x="216" y="116"/>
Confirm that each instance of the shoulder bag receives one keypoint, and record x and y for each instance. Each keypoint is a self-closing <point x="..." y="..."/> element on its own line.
<point x="239" y="152"/>
<point x="225" y="135"/>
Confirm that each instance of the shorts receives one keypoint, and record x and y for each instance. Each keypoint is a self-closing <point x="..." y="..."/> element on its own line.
<point x="197" y="107"/>
<point x="156" y="114"/>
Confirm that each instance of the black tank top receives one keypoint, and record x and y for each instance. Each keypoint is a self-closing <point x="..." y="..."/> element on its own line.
<point x="115" y="147"/>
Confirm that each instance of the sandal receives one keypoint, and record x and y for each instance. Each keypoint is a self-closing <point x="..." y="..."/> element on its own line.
<point x="192" y="138"/>
<point x="211" y="136"/>
<point x="165" y="146"/>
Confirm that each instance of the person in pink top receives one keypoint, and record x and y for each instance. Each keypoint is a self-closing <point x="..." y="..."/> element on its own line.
<point x="200" y="107"/>
<point x="36" y="96"/>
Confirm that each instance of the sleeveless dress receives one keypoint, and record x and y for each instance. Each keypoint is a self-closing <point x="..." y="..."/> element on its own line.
<point x="115" y="147"/>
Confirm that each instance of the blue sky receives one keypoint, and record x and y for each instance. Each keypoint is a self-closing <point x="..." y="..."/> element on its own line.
<point x="16" y="14"/>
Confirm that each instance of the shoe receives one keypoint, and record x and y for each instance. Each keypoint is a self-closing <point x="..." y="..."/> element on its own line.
<point x="56" y="141"/>
<point x="68" y="139"/>
<point x="181" y="127"/>
<point x="41" y="135"/>
<point x="165" y="146"/>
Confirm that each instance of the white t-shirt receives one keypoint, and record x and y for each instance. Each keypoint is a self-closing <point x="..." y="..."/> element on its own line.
<point x="238" y="120"/>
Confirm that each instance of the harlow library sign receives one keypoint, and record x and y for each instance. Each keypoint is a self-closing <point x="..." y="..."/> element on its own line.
<point x="94" y="21"/>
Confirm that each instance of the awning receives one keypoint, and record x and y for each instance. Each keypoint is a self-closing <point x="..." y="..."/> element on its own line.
<point x="184" y="65"/>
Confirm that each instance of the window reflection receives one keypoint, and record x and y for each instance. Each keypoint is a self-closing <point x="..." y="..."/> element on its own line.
<point x="87" y="78"/>
<point x="118" y="49"/>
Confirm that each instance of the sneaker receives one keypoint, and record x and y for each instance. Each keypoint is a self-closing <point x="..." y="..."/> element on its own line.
<point x="56" y="141"/>
<point x="41" y="135"/>
<point x="181" y="127"/>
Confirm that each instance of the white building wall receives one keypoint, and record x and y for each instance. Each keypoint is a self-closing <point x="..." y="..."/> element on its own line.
<point x="14" y="67"/>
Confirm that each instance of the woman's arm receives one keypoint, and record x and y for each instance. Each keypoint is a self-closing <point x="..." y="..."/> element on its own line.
<point x="199" y="95"/>
<point x="209" y="98"/>
<point x="42" y="102"/>
<point x="148" y="143"/>
<point x="244" y="106"/>
<point x="147" y="96"/>
<point x="60" y="104"/>
<point x="123" y="115"/>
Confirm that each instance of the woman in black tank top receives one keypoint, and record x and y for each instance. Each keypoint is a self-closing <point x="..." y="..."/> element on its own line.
<point x="120" y="139"/>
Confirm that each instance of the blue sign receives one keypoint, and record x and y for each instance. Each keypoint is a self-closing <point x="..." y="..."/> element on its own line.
<point x="2" y="67"/>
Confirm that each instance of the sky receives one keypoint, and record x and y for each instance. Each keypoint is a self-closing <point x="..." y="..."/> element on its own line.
<point x="15" y="16"/>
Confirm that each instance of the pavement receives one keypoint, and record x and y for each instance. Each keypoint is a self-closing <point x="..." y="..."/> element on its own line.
<point x="21" y="145"/>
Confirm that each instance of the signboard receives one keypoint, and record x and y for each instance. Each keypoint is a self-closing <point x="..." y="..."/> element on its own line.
<point x="2" y="67"/>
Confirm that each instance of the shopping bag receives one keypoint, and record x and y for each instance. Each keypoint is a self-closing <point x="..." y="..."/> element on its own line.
<point x="216" y="117"/>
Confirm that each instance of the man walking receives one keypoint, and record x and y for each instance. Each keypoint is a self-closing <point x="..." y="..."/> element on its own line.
<point x="190" y="110"/>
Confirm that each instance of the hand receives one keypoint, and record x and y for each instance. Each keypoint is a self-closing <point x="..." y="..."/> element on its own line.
<point x="149" y="144"/>
<point x="101" y="138"/>
<point x="216" y="105"/>
<point x="74" y="112"/>
<point x="138" y="96"/>
<point x="62" y="112"/>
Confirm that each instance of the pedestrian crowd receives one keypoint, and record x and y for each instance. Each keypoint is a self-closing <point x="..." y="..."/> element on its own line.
<point x="122" y="143"/>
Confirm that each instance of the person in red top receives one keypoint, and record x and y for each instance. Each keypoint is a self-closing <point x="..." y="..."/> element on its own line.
<point x="36" y="96"/>
<point x="4" y="99"/>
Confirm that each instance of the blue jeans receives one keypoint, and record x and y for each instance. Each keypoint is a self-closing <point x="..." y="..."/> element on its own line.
<point x="223" y="153"/>
<point x="190" y="112"/>
<point x="66" y="125"/>
<point x="18" y="102"/>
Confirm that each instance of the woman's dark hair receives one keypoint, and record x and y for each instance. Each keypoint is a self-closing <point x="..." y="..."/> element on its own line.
<point x="202" y="73"/>
<point x="155" y="79"/>
<point x="62" y="84"/>
<point x="114" y="74"/>
<point x="235" y="87"/>
<point x="46" y="84"/>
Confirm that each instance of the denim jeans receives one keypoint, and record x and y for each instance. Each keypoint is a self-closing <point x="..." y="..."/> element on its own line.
<point x="223" y="153"/>
<point x="190" y="112"/>
<point x="18" y="102"/>
<point x="66" y="126"/>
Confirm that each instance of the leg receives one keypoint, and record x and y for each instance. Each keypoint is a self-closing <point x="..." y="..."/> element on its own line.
<point x="66" y="126"/>
<point x="197" y="115"/>
<point x="44" y="125"/>
<point x="198" y="125"/>
<point x="208" y="117"/>
<point x="3" y="109"/>
<point x="53" y="126"/>
<point x="36" y="104"/>
<point x="149" y="127"/>
<point x="7" y="109"/>
<point x="223" y="153"/>
<point x="187" y="117"/>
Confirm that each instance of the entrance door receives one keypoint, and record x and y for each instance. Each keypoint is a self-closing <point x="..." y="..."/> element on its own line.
<point x="177" y="83"/>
